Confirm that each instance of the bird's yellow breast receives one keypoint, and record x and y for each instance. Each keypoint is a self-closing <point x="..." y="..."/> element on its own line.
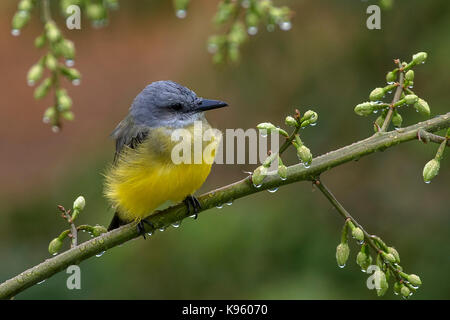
<point x="146" y="177"/>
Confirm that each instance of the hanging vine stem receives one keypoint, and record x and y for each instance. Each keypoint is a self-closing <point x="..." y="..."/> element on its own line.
<point x="240" y="189"/>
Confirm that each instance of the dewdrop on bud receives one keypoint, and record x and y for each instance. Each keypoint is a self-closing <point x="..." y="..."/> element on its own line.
<point x="394" y="252"/>
<point x="391" y="76"/>
<point x="304" y="154"/>
<point x="380" y="277"/>
<point x="377" y="94"/>
<point x="419" y="57"/>
<point x="405" y="292"/>
<point x="290" y="121"/>
<point x="258" y="175"/>
<point x="64" y="101"/>
<point x="411" y="98"/>
<point x="409" y="75"/>
<point x="397" y="288"/>
<point x="79" y="203"/>
<point x="98" y="230"/>
<point x="35" y="73"/>
<point x="358" y="234"/>
<point x="54" y="246"/>
<point x="364" y="109"/>
<point x="422" y="107"/>
<point x="342" y="253"/>
<point x="414" y="280"/>
<point x="431" y="170"/>
<point x="397" y="119"/>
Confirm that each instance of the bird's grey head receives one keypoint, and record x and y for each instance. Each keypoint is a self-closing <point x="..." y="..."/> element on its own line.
<point x="169" y="104"/>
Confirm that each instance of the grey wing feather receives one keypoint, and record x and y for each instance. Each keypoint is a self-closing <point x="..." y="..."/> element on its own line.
<point x="127" y="133"/>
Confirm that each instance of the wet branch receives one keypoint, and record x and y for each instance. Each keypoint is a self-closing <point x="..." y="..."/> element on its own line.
<point x="240" y="189"/>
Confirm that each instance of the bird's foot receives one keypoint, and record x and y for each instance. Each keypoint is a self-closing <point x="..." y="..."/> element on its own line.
<point x="141" y="229"/>
<point x="193" y="205"/>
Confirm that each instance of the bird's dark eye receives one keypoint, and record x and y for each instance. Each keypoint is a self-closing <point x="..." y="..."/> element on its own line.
<point x="176" y="106"/>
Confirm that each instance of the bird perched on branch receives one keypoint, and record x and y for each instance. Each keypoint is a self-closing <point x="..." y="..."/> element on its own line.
<point x="146" y="171"/>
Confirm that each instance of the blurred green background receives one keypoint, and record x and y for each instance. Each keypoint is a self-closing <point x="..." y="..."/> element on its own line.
<point x="265" y="246"/>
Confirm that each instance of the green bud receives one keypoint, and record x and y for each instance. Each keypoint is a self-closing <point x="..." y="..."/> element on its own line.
<point x="290" y="121"/>
<point x="414" y="280"/>
<point x="51" y="62"/>
<point x="383" y="284"/>
<point x="394" y="252"/>
<point x="98" y="230"/>
<point x="35" y="73"/>
<point x="411" y="98"/>
<point x="95" y="11"/>
<point x="310" y="116"/>
<point x="419" y="57"/>
<point x="304" y="154"/>
<point x="422" y="106"/>
<point x="68" y="115"/>
<point x="49" y="115"/>
<point x="358" y="234"/>
<point x="389" y="257"/>
<point x="52" y="32"/>
<point x="409" y="75"/>
<point x="342" y="253"/>
<point x="42" y="90"/>
<point x="397" y="287"/>
<point x="266" y="126"/>
<point x="282" y="172"/>
<point x="391" y="76"/>
<point x="397" y="119"/>
<point x="377" y="94"/>
<point x="258" y="175"/>
<point x="405" y="291"/>
<point x="71" y="73"/>
<point x="67" y="49"/>
<point x="20" y="19"/>
<point x="364" y="109"/>
<point x="39" y="42"/>
<point x="54" y="246"/>
<point x="25" y="5"/>
<point x="251" y="18"/>
<point x="431" y="170"/>
<point x="64" y="101"/>
<point x="79" y="203"/>
<point x="363" y="259"/>
<point x="379" y="121"/>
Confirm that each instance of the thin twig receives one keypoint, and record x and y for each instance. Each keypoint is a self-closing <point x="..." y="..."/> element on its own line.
<point x="396" y="98"/>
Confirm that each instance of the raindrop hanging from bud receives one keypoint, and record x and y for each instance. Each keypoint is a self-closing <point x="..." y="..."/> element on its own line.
<point x="15" y="32"/>
<point x="285" y="25"/>
<point x="181" y="14"/>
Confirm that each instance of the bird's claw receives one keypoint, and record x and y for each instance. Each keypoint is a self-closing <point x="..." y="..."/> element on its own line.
<point x="141" y="229"/>
<point x="192" y="203"/>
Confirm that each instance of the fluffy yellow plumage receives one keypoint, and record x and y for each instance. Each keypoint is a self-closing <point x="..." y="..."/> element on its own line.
<point x="146" y="177"/>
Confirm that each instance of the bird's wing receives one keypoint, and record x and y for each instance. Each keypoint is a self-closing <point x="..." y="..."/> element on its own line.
<point x="127" y="133"/>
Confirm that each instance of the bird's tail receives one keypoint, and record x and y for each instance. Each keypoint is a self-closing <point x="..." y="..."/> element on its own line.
<point x="115" y="222"/>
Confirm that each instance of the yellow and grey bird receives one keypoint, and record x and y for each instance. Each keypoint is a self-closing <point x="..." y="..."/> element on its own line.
<point x="143" y="175"/>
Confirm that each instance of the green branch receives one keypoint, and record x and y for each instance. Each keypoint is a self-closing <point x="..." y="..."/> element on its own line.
<point x="240" y="189"/>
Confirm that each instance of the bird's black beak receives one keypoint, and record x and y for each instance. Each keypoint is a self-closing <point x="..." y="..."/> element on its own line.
<point x="206" y="104"/>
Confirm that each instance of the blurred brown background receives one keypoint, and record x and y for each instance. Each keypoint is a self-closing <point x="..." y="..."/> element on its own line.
<point x="276" y="246"/>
